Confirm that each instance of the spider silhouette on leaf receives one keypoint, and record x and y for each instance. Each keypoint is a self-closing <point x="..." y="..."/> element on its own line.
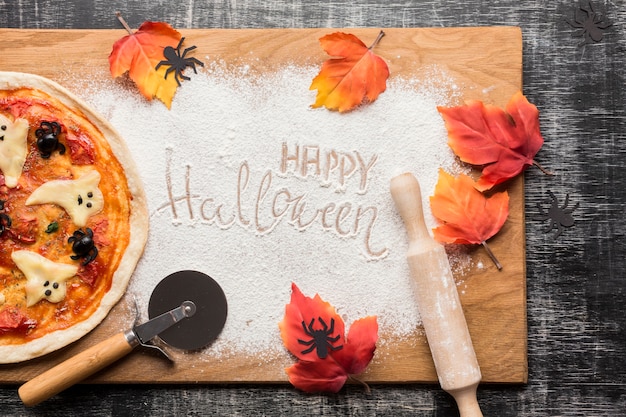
<point x="178" y="62"/>
<point x="560" y="216"/>
<point x="321" y="340"/>
<point x="590" y="24"/>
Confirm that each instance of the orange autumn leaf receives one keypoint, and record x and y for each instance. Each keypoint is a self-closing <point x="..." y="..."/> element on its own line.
<point x="139" y="53"/>
<point x="504" y="141"/>
<point x="354" y="76"/>
<point x="314" y="333"/>
<point x="468" y="216"/>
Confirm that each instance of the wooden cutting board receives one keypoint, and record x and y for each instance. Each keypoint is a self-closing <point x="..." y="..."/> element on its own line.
<point x="487" y="64"/>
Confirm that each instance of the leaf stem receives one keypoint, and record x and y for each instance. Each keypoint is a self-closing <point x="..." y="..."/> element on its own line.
<point x="123" y="22"/>
<point x="492" y="256"/>
<point x="360" y="381"/>
<point x="542" y="169"/>
<point x="378" y="38"/>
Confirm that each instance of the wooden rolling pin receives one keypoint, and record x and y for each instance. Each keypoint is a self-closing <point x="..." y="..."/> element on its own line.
<point x="438" y="301"/>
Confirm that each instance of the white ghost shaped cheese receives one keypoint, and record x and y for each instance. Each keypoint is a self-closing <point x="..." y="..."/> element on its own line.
<point x="46" y="279"/>
<point x="81" y="198"/>
<point x="13" y="149"/>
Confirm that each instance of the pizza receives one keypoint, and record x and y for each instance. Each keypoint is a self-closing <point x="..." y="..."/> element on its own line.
<point x="73" y="217"/>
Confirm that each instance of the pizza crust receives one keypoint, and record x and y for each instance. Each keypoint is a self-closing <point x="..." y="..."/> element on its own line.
<point x="139" y="223"/>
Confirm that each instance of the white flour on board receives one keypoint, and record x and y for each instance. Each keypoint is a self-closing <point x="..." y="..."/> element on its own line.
<point x="249" y="184"/>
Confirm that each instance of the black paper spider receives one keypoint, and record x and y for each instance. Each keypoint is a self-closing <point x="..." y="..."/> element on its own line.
<point x="591" y="24"/>
<point x="559" y="216"/>
<point x="321" y="339"/>
<point x="178" y="62"/>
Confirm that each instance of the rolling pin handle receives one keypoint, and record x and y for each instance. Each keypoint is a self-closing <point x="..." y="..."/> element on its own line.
<point x="466" y="401"/>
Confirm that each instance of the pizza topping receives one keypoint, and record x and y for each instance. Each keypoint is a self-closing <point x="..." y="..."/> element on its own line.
<point x="52" y="227"/>
<point x="83" y="246"/>
<point x="89" y="274"/>
<point x="46" y="279"/>
<point x="23" y="228"/>
<point x="81" y="198"/>
<point x="13" y="319"/>
<point x="13" y="149"/>
<point x="81" y="149"/>
<point x="5" y="220"/>
<point x="48" y="139"/>
<point x="2" y="298"/>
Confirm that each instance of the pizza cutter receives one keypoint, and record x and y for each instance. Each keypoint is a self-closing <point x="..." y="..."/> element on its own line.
<point x="187" y="310"/>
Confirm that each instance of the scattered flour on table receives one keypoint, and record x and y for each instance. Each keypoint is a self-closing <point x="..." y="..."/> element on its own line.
<point x="249" y="184"/>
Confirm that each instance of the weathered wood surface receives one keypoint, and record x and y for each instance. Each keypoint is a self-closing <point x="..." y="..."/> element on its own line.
<point x="576" y="282"/>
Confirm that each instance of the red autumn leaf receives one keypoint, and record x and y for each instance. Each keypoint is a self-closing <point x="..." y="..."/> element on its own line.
<point x="356" y="75"/>
<point x="139" y="53"/>
<point x="311" y="377"/>
<point x="360" y="345"/>
<point x="314" y="333"/>
<point x="503" y="141"/>
<point x="468" y="216"/>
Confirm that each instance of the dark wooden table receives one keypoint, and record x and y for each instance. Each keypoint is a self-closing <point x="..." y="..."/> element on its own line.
<point x="576" y="281"/>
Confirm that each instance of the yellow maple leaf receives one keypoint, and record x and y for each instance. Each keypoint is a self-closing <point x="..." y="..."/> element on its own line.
<point x="354" y="76"/>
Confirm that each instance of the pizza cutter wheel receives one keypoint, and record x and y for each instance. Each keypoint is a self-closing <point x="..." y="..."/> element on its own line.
<point x="187" y="310"/>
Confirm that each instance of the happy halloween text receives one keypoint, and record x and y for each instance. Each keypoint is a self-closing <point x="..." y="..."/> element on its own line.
<point x="262" y="205"/>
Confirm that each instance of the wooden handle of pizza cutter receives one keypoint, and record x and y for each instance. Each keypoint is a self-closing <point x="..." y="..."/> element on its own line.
<point x="74" y="370"/>
<point x="438" y="301"/>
